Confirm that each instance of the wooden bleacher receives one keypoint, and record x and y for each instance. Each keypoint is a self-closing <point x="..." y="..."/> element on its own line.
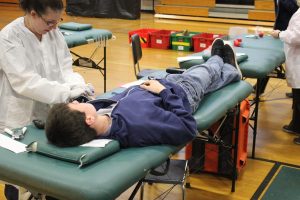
<point x="10" y="1"/>
<point x="263" y="10"/>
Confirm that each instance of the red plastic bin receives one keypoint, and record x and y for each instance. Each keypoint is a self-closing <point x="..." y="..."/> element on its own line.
<point x="161" y="39"/>
<point x="144" y="36"/>
<point x="204" y="40"/>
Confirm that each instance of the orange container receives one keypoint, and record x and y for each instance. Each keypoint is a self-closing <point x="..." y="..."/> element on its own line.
<point x="203" y="40"/>
<point x="144" y="36"/>
<point x="161" y="39"/>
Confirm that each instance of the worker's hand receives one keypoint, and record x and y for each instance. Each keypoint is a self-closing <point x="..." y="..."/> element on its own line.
<point x="275" y="33"/>
<point x="76" y="92"/>
<point x="88" y="88"/>
<point x="153" y="86"/>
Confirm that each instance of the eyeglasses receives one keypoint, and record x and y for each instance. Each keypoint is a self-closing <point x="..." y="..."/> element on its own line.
<point x="51" y="23"/>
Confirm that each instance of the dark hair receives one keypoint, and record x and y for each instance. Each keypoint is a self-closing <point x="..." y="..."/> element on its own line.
<point x="40" y="6"/>
<point x="66" y="127"/>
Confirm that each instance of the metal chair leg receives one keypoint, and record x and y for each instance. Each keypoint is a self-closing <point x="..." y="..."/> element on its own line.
<point x="183" y="191"/>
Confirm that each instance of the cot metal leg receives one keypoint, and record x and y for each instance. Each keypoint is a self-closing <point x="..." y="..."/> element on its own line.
<point x="104" y="65"/>
<point x="183" y="191"/>
<point x="89" y="63"/>
<point x="279" y="72"/>
<point x="137" y="187"/>
<point x="255" y="114"/>
<point x="187" y="179"/>
<point x="236" y="143"/>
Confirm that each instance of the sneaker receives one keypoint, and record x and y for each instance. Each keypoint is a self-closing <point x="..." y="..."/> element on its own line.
<point x="217" y="47"/>
<point x="288" y="129"/>
<point x="229" y="58"/>
<point x="297" y="140"/>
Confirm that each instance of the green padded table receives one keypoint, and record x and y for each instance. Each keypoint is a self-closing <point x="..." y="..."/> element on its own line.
<point x="266" y="42"/>
<point x="77" y="38"/>
<point x="111" y="176"/>
<point x="259" y="64"/>
<point x="215" y="105"/>
<point x="105" y="179"/>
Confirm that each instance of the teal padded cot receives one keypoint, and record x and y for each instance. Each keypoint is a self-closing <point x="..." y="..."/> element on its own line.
<point x="266" y="42"/>
<point x="77" y="38"/>
<point x="111" y="176"/>
<point x="80" y="34"/>
<point x="270" y="43"/>
<point x="259" y="64"/>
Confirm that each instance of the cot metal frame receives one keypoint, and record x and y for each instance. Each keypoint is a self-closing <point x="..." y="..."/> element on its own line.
<point x="90" y="63"/>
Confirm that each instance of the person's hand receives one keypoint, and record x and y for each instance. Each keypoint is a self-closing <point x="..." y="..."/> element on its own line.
<point x="88" y="88"/>
<point x="76" y="92"/>
<point x="153" y="86"/>
<point x="275" y="33"/>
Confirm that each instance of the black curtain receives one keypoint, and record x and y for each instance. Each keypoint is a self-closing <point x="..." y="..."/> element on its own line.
<point x="124" y="9"/>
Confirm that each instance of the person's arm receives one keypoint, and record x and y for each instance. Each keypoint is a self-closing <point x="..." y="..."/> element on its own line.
<point x="25" y="81"/>
<point x="275" y="33"/>
<point x="153" y="86"/>
<point x="73" y="79"/>
<point x="180" y="126"/>
<point x="183" y="127"/>
<point x="69" y="75"/>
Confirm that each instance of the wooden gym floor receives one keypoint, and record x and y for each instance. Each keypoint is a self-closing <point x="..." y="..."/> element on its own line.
<point x="274" y="111"/>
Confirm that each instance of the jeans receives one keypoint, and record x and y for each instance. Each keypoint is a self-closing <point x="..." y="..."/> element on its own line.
<point x="199" y="80"/>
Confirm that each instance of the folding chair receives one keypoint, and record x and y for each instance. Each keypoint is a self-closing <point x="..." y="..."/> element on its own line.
<point x="137" y="55"/>
<point x="172" y="172"/>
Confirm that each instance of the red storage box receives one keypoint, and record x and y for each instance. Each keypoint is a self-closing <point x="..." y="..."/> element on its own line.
<point x="204" y="40"/>
<point x="144" y="36"/>
<point x="215" y="158"/>
<point x="161" y="39"/>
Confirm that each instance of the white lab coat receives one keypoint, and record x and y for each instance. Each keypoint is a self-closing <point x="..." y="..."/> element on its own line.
<point x="291" y="39"/>
<point x="33" y="74"/>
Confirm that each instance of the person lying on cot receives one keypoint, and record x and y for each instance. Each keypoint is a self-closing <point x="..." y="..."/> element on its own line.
<point x="155" y="112"/>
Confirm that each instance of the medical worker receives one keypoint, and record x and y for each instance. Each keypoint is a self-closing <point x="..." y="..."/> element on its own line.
<point x="35" y="66"/>
<point x="291" y="39"/>
<point x="286" y="9"/>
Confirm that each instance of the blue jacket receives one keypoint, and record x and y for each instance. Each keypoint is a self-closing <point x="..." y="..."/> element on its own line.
<point x="142" y="118"/>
